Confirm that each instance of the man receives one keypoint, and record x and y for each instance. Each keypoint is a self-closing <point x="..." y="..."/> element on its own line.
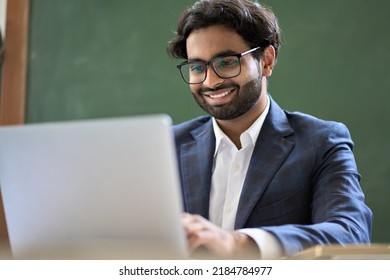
<point x="257" y="181"/>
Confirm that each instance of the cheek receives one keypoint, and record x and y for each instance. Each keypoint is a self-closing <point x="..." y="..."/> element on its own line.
<point x="251" y="70"/>
<point x="194" y="88"/>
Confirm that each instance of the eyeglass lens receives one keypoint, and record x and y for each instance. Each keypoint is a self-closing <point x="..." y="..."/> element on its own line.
<point x="225" y="67"/>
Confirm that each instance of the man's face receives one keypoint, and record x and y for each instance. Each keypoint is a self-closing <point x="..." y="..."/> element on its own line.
<point x="225" y="99"/>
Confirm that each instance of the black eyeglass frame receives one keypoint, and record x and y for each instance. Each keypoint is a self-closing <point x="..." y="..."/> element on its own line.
<point x="207" y="63"/>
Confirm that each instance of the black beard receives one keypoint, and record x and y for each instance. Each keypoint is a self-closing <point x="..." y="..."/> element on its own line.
<point x="243" y="102"/>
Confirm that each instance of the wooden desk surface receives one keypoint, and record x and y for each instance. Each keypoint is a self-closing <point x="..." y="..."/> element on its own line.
<point x="351" y="252"/>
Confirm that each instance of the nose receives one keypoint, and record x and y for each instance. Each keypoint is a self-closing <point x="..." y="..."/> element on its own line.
<point x="212" y="79"/>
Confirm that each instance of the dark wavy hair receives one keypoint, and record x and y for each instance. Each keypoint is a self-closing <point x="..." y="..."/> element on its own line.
<point x="255" y="23"/>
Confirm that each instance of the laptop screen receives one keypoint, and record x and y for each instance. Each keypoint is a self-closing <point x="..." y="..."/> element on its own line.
<point x="105" y="189"/>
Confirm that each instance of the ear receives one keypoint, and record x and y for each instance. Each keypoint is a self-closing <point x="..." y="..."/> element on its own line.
<point x="268" y="61"/>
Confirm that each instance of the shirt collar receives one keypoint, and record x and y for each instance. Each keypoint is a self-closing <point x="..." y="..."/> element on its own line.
<point x="248" y="137"/>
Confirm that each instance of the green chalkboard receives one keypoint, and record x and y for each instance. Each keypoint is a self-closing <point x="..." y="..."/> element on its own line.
<point x="334" y="64"/>
<point x="99" y="58"/>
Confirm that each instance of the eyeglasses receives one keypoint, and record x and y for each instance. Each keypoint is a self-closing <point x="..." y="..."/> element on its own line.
<point x="226" y="66"/>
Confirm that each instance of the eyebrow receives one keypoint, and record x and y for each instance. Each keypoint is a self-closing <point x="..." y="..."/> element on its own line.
<point x="222" y="53"/>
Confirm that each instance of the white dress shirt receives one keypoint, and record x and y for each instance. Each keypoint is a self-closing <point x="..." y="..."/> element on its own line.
<point x="229" y="171"/>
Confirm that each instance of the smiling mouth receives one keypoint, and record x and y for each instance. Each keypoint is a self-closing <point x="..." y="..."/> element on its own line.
<point x="221" y="94"/>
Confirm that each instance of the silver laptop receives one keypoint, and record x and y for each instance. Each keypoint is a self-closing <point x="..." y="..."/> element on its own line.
<point x="96" y="189"/>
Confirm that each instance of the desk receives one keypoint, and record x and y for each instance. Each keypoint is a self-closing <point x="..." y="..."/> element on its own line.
<point x="348" y="252"/>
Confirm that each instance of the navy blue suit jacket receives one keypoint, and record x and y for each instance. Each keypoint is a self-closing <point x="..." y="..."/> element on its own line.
<point x="302" y="183"/>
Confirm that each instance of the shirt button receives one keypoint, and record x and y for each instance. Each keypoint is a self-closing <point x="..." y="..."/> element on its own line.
<point x="236" y="167"/>
<point x="230" y="209"/>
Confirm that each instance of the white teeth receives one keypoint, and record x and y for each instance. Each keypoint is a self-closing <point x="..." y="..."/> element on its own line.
<point x="219" y="95"/>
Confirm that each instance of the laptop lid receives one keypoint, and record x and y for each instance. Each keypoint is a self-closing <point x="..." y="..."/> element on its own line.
<point x="94" y="189"/>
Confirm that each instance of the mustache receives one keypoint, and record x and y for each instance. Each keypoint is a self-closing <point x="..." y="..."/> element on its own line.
<point x="207" y="89"/>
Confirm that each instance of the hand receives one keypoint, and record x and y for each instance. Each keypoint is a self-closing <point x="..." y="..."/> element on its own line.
<point x="221" y="243"/>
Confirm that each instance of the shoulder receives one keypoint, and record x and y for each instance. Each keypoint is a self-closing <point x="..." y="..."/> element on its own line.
<point x="185" y="130"/>
<point x="191" y="125"/>
<point x="315" y="132"/>
<point x="303" y="126"/>
<point x="301" y="121"/>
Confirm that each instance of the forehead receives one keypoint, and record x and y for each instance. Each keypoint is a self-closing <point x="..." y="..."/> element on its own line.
<point x="208" y="42"/>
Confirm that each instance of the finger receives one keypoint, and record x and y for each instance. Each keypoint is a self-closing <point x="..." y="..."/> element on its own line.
<point x="197" y="230"/>
<point x="194" y="223"/>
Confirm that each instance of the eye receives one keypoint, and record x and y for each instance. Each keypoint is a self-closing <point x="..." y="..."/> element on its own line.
<point x="227" y="62"/>
<point x="196" y="68"/>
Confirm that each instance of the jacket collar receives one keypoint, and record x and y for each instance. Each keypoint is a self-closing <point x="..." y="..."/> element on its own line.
<point x="273" y="146"/>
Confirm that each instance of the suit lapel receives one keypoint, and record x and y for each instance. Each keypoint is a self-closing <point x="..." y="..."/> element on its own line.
<point x="271" y="150"/>
<point x="196" y="168"/>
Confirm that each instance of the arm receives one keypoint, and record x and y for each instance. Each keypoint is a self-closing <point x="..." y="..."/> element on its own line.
<point x="338" y="214"/>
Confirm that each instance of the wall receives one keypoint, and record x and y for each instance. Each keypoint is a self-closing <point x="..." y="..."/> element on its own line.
<point x="3" y="7"/>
